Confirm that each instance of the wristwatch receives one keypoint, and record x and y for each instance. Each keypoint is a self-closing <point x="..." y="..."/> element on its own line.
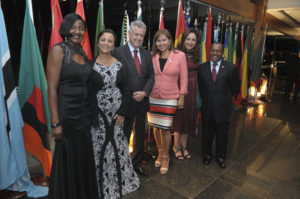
<point x="55" y="125"/>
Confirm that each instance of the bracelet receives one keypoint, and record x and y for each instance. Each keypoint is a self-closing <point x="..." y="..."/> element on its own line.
<point x="55" y="125"/>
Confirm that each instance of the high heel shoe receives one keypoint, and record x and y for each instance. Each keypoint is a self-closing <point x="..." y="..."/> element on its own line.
<point x="157" y="162"/>
<point x="188" y="155"/>
<point x="165" y="165"/>
<point x="176" y="151"/>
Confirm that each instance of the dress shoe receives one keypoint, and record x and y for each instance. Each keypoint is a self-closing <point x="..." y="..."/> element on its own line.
<point x="221" y="162"/>
<point x="207" y="159"/>
<point x="139" y="170"/>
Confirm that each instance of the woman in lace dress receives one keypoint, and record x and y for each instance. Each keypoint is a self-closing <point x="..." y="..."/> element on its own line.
<point x="110" y="106"/>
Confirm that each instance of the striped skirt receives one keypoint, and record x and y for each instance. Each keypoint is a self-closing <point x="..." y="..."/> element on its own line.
<point x="162" y="112"/>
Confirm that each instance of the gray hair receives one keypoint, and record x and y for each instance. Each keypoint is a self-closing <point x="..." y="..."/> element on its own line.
<point x="138" y="24"/>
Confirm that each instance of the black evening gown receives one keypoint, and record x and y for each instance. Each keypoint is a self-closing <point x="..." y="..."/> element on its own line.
<point x="73" y="174"/>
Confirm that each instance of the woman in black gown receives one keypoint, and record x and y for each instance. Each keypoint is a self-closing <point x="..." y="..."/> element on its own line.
<point x="73" y="173"/>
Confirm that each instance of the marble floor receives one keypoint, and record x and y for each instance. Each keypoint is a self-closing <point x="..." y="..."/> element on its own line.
<point x="263" y="160"/>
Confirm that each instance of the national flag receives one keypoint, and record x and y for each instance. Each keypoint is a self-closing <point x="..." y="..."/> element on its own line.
<point x="230" y="47"/>
<point x="238" y="59"/>
<point x="216" y="33"/>
<point x="244" y="69"/>
<point x="33" y="95"/>
<point x="242" y="39"/>
<point x="208" y="34"/>
<point x="161" y="19"/>
<point x="125" y="29"/>
<point x="187" y="21"/>
<point x="139" y="11"/>
<point x="56" y="21"/>
<point x="14" y="174"/>
<point x="180" y="27"/>
<point x="257" y="61"/>
<point x="234" y="48"/>
<point x="85" y="43"/>
<point x="251" y="53"/>
<point x="203" y="46"/>
<point x="99" y="27"/>
<point x="226" y="45"/>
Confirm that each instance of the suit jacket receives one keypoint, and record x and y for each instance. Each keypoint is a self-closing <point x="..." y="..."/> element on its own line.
<point x="134" y="81"/>
<point x="166" y="81"/>
<point x="217" y="97"/>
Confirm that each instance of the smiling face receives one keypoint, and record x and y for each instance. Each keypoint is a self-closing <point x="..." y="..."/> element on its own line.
<point x="162" y="43"/>
<point x="216" y="52"/>
<point x="106" y="43"/>
<point x="190" y="41"/>
<point x="77" y="32"/>
<point x="136" y="36"/>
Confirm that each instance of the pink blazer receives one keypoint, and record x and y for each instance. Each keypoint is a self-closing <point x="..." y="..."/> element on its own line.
<point x="166" y="84"/>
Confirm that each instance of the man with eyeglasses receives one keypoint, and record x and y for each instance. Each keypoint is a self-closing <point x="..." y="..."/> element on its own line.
<point x="218" y="82"/>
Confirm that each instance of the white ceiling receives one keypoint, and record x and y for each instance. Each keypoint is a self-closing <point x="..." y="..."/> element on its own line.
<point x="287" y="11"/>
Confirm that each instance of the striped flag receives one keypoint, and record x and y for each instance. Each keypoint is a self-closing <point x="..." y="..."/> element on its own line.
<point x="139" y="11"/>
<point x="226" y="45"/>
<point x="33" y="95"/>
<point x="161" y="19"/>
<point x="85" y="43"/>
<point x="216" y="33"/>
<point x="99" y="27"/>
<point x="14" y="174"/>
<point x="125" y="29"/>
<point x="203" y="47"/>
<point x="56" y="21"/>
<point x="244" y="70"/>
<point x="208" y="34"/>
<point x="180" y="27"/>
<point x="235" y="43"/>
<point x="230" y="50"/>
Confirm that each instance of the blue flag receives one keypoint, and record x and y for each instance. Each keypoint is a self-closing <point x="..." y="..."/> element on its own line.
<point x="14" y="174"/>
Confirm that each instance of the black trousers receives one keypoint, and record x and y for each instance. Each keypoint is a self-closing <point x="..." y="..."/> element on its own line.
<point x="139" y="127"/>
<point x="210" y="129"/>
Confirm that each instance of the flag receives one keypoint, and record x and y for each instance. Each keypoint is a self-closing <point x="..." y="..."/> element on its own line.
<point x="216" y="33"/>
<point x="56" y="21"/>
<point x="187" y="21"/>
<point x="99" y="27"/>
<point x="257" y="61"/>
<point x="230" y="48"/>
<point x="244" y="70"/>
<point x="33" y="95"/>
<point x="14" y="174"/>
<point x="226" y="45"/>
<point x="125" y="29"/>
<point x="234" y="48"/>
<point x="208" y="34"/>
<point x="242" y="39"/>
<point x="180" y="27"/>
<point x="161" y="19"/>
<point x="139" y="11"/>
<point x="85" y="43"/>
<point x="251" y="53"/>
<point x="203" y="46"/>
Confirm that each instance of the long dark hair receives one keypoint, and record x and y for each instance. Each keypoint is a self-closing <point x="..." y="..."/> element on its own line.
<point x="195" y="53"/>
<point x="155" y="38"/>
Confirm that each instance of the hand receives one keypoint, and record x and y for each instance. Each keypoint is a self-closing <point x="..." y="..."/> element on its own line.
<point x="57" y="133"/>
<point x="120" y="119"/>
<point x="181" y="102"/>
<point x="138" y="96"/>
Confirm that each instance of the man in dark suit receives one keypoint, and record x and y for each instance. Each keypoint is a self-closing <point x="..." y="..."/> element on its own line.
<point x="218" y="82"/>
<point x="140" y="79"/>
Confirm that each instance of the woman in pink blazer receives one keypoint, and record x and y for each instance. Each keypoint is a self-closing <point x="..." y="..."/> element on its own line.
<point x="170" y="87"/>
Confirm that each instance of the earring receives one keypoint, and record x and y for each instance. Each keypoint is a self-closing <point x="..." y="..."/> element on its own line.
<point x="66" y="39"/>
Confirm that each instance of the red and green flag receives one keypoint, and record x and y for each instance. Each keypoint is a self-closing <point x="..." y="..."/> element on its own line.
<point x="32" y="96"/>
<point x="99" y="27"/>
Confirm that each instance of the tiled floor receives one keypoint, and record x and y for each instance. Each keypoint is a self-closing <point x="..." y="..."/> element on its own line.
<point x="263" y="160"/>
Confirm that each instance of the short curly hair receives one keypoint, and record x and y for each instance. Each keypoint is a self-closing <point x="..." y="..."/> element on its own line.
<point x="67" y="24"/>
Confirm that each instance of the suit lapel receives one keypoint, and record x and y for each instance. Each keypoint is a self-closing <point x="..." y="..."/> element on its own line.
<point x="169" y="62"/>
<point x="143" y="61"/>
<point x="221" y="70"/>
<point x="208" y="71"/>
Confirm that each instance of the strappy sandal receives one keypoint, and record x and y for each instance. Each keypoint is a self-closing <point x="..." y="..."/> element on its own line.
<point x="177" y="150"/>
<point x="164" y="168"/>
<point x="157" y="162"/>
<point x="188" y="155"/>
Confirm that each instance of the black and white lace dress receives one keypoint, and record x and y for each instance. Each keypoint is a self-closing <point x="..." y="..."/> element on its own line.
<point x="115" y="174"/>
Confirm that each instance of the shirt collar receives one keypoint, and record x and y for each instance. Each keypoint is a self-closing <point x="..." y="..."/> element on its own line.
<point x="131" y="47"/>
<point x="218" y="63"/>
